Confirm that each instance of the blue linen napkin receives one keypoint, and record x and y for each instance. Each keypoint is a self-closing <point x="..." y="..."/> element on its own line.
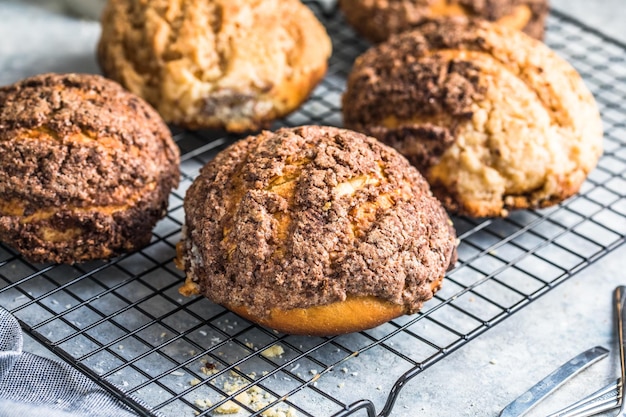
<point x="34" y="386"/>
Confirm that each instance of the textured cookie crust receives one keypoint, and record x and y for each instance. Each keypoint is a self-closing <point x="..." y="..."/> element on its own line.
<point x="233" y="64"/>
<point x="494" y="119"/>
<point x="311" y="216"/>
<point x="85" y="168"/>
<point x="377" y="20"/>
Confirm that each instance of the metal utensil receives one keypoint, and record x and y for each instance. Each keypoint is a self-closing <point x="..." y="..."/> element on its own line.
<point x="539" y="391"/>
<point x="609" y="397"/>
<point x="603" y="400"/>
<point x="620" y="301"/>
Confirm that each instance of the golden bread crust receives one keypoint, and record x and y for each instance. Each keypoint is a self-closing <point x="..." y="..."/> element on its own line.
<point x="350" y="315"/>
<point x="494" y="119"/>
<point x="347" y="316"/>
<point x="312" y="216"/>
<point x="377" y="20"/>
<point x="232" y="64"/>
<point x="87" y="168"/>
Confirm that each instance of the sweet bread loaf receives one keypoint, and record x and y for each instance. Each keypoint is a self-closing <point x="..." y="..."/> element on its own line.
<point x="492" y="118"/>
<point x="376" y="20"/>
<point x="314" y="230"/>
<point x="231" y="64"/>
<point x="86" y="168"/>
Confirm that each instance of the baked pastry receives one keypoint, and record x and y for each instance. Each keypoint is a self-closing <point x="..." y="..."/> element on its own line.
<point x="232" y="64"/>
<point x="86" y="168"/>
<point x="314" y="230"/>
<point x="492" y="118"/>
<point x="377" y="20"/>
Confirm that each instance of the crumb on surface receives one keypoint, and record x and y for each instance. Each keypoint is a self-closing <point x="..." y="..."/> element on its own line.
<point x="273" y="351"/>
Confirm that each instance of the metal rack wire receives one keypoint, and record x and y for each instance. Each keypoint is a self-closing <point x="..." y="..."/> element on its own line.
<point x="123" y="323"/>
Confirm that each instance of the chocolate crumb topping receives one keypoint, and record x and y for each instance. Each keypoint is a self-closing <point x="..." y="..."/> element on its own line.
<point x="378" y="20"/>
<point x="411" y="94"/>
<point x="85" y="168"/>
<point x="310" y="216"/>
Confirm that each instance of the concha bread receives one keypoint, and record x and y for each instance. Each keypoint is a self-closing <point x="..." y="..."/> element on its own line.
<point x="314" y="230"/>
<point x="493" y="119"/>
<point x="86" y="168"/>
<point x="232" y="64"/>
<point x="377" y="20"/>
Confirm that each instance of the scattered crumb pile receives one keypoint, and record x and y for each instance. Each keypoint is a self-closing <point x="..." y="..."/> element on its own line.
<point x="255" y="398"/>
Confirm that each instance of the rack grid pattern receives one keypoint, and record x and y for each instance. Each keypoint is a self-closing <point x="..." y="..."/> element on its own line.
<point x="123" y="323"/>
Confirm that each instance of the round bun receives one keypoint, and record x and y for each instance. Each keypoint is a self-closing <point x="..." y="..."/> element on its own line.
<point x="85" y="168"/>
<point x="314" y="230"/>
<point x="377" y="20"/>
<point x="492" y="118"/>
<point x="231" y="64"/>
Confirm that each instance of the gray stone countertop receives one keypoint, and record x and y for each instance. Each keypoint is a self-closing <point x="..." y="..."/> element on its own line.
<point x="486" y="374"/>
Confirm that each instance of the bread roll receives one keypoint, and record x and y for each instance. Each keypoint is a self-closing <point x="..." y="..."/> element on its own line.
<point x="231" y="64"/>
<point x="492" y="118"/>
<point x="314" y="230"/>
<point x="377" y="20"/>
<point x="86" y="168"/>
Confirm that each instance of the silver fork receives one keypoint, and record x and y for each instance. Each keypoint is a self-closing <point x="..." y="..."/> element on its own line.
<point x="609" y="397"/>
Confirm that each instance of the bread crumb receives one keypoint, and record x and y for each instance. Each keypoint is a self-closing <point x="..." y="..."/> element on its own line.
<point x="203" y="403"/>
<point x="194" y="382"/>
<point x="228" y="407"/>
<point x="243" y="398"/>
<point x="493" y="361"/>
<point x="290" y="412"/>
<point x="273" y="351"/>
<point x="208" y="370"/>
<point x="341" y="385"/>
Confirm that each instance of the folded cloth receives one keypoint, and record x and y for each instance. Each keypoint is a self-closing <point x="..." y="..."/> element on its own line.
<point x="39" y="387"/>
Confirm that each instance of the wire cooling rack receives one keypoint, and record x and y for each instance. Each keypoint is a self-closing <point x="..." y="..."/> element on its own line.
<point x="123" y="323"/>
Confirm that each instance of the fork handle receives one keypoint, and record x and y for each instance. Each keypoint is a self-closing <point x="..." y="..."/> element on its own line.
<point x="620" y="310"/>
<point x="600" y="401"/>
